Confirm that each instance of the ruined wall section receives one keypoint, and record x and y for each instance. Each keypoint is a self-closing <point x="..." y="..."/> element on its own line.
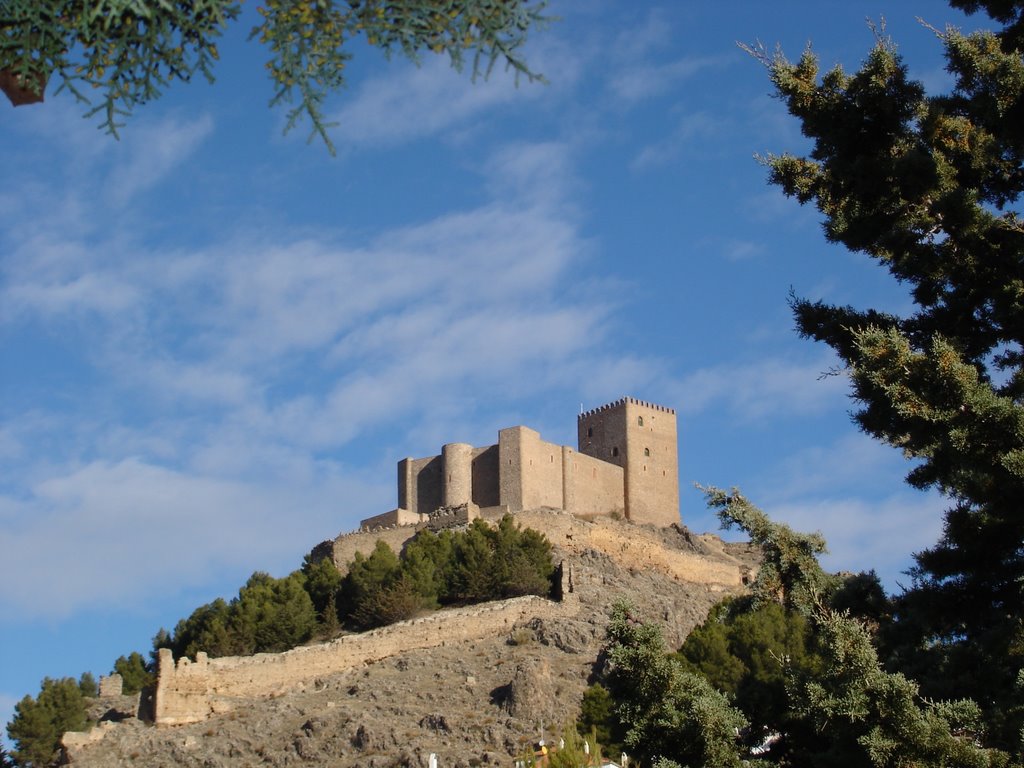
<point x="188" y="692"/>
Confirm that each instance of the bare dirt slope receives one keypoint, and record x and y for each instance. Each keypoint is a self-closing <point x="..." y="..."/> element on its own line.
<point x="480" y="702"/>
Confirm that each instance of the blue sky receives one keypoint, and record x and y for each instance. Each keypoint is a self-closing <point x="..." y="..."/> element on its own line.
<point x="216" y="341"/>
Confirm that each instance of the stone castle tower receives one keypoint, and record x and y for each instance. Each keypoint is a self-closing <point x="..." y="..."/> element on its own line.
<point x="641" y="438"/>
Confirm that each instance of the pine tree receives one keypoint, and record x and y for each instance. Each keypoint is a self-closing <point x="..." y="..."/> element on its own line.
<point x="38" y="724"/>
<point x="135" y="674"/>
<point x="927" y="186"/>
<point x="667" y="712"/>
<point x="130" y="51"/>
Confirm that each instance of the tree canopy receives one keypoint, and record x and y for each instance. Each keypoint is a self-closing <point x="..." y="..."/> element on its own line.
<point x="39" y="723"/>
<point x="115" y="55"/>
<point x="929" y="186"/>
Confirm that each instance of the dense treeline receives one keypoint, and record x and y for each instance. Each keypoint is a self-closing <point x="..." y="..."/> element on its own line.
<point x="453" y="567"/>
<point x="433" y="570"/>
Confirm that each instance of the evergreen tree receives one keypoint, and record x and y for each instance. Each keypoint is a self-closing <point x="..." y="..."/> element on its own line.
<point x="135" y="673"/>
<point x="929" y="186"/>
<point x="366" y="577"/>
<point x="87" y="685"/>
<point x="427" y="561"/>
<point x="130" y="51"/>
<point x="474" y="569"/>
<point x="322" y="580"/>
<point x="750" y="654"/>
<point x="271" y="615"/>
<point x="666" y="711"/>
<point x="39" y="723"/>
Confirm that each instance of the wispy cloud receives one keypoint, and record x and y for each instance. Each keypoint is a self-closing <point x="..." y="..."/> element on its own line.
<point x="153" y="526"/>
<point x="410" y="102"/>
<point x="639" y="82"/>
<point x="689" y="128"/>
<point x="154" y="150"/>
<point x="762" y="389"/>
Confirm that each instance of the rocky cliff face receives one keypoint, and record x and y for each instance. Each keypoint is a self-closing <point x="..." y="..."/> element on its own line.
<point x="473" y="702"/>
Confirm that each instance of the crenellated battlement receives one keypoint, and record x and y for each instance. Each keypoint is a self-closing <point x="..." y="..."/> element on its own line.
<point x="622" y="401"/>
<point x="623" y="465"/>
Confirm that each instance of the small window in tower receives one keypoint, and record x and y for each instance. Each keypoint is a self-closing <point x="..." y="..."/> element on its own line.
<point x="647" y="451"/>
<point x="590" y="431"/>
<point x="615" y="451"/>
<point x="639" y="421"/>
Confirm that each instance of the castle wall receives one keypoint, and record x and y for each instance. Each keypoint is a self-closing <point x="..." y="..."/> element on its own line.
<point x="388" y="519"/>
<point x="188" y="692"/>
<point x="485" y="477"/>
<point x="421" y="484"/>
<point x="541" y="463"/>
<point x="593" y="486"/>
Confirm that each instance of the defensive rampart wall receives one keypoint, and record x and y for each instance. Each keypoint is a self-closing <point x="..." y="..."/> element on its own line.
<point x="189" y="692"/>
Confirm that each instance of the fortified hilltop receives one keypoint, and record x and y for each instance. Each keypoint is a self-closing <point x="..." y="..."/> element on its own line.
<point x="626" y="463"/>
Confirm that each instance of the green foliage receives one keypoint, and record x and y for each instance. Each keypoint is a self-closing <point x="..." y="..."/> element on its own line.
<point x="929" y="186"/>
<point x="574" y="750"/>
<point x="747" y="653"/>
<point x="789" y="570"/>
<point x="269" y="615"/>
<point x="842" y="709"/>
<point x="491" y="563"/>
<point x="477" y="564"/>
<point x="666" y="711"/>
<point x="322" y="582"/>
<point x="598" y="720"/>
<point x="427" y="561"/>
<point x="858" y="708"/>
<point x="128" y="51"/>
<point x="39" y="723"/>
<point x="272" y="615"/>
<point x="87" y="685"/>
<point x="134" y="672"/>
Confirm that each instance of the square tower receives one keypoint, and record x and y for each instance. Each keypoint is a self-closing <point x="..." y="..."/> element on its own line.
<point x="641" y="438"/>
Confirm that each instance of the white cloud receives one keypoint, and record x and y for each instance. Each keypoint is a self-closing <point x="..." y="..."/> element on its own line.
<point x="122" y="529"/>
<point x="636" y="83"/>
<point x="690" y="127"/>
<point x="864" y="534"/>
<point x="762" y="389"/>
<point x="409" y="102"/>
<point x="154" y="150"/>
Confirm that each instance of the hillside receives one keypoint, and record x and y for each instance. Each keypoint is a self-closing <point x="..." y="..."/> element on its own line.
<point x="475" y="701"/>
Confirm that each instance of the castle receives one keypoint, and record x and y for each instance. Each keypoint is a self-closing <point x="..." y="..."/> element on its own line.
<point x="626" y="463"/>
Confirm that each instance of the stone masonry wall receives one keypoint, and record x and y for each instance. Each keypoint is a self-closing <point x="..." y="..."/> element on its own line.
<point x="593" y="487"/>
<point x="188" y="692"/>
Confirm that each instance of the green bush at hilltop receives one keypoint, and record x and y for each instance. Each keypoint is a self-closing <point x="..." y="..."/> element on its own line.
<point x="434" y="569"/>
